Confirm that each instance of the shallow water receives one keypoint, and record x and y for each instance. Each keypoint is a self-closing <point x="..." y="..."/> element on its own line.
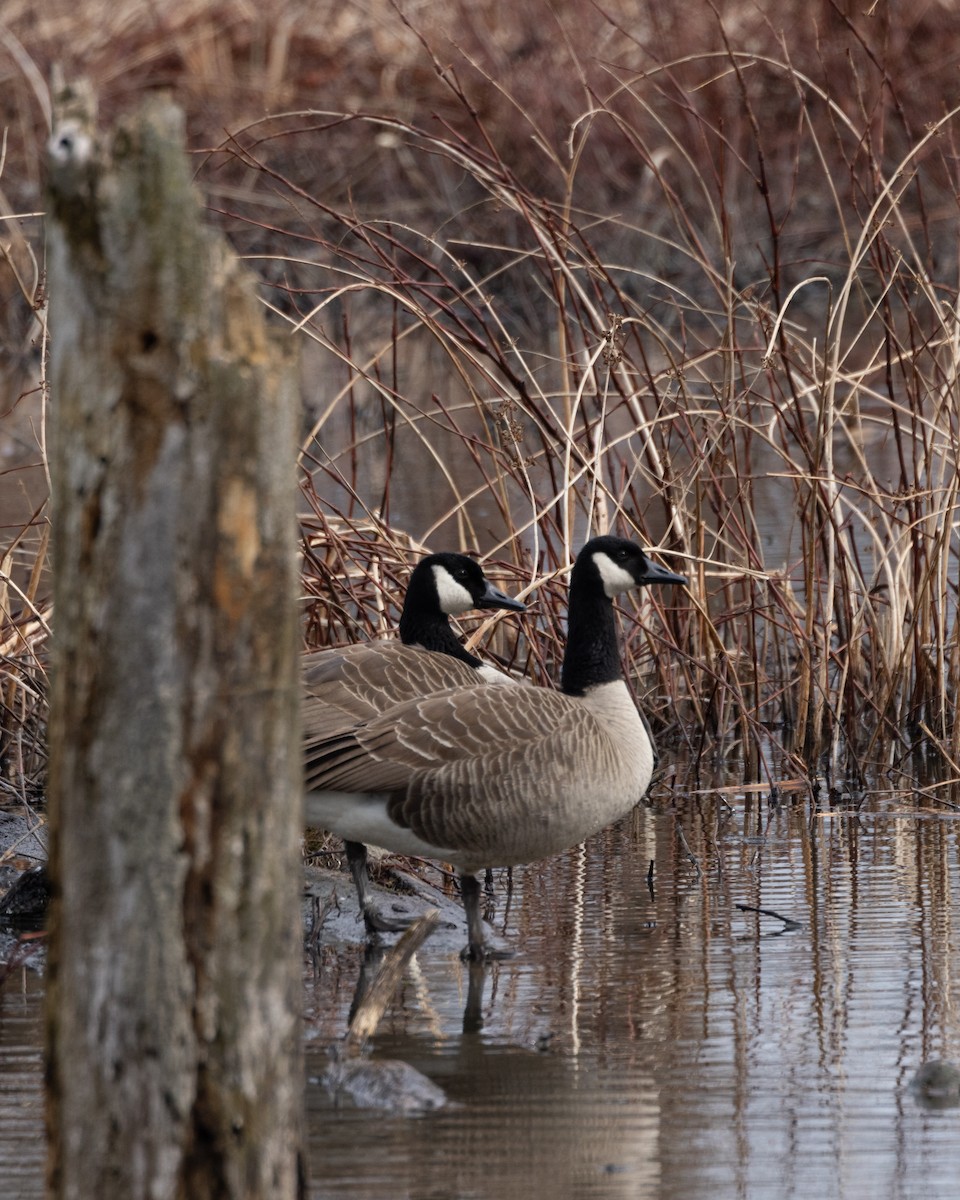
<point x="21" y="1086"/>
<point x="690" y="1049"/>
<point x="652" y="1041"/>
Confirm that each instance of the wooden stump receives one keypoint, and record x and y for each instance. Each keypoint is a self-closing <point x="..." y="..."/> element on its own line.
<point x="174" y="1063"/>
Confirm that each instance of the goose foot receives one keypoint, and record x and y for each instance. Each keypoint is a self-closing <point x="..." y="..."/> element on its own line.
<point x="485" y="953"/>
<point x="478" y="948"/>
<point x="379" y="922"/>
<point x="375" y="920"/>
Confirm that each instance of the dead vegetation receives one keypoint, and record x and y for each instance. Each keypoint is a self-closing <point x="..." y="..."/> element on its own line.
<point x="690" y="273"/>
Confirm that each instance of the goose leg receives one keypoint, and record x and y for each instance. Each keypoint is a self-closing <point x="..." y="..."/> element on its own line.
<point x="473" y="1010"/>
<point x="374" y="920"/>
<point x="475" y="949"/>
<point x="357" y="861"/>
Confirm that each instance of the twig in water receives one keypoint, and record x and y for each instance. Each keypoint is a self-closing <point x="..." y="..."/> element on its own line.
<point x="689" y="853"/>
<point x="788" y="922"/>
<point x="374" y="1004"/>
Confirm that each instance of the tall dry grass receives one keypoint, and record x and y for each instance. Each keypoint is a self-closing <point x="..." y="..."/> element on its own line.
<point x="562" y="268"/>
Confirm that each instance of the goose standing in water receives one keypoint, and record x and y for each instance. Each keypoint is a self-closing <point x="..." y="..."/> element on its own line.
<point x="349" y="684"/>
<point x="480" y="776"/>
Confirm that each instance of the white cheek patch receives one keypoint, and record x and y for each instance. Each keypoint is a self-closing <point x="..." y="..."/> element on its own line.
<point x="454" y="597"/>
<point x="616" y="579"/>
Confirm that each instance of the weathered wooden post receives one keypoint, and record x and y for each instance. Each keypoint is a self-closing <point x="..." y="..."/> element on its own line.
<point x="172" y="1020"/>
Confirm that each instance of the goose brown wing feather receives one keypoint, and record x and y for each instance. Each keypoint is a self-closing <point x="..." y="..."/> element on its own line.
<point x="452" y="757"/>
<point x="446" y="806"/>
<point x="466" y="723"/>
<point x="349" y="684"/>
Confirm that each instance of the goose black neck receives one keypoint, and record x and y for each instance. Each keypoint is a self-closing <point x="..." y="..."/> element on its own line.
<point x="434" y="633"/>
<point x="592" y="654"/>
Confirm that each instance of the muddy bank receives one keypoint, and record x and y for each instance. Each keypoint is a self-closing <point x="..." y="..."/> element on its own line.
<point x="331" y="916"/>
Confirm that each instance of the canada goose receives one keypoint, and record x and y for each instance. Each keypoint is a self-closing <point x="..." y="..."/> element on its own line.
<point x="480" y="776"/>
<point x="348" y="684"/>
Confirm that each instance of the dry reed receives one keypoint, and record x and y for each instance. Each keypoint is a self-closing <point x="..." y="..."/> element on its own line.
<point x="696" y="283"/>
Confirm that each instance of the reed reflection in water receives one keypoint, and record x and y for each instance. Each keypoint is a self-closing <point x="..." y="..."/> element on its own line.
<point x="652" y="1043"/>
<point x="673" y="1044"/>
